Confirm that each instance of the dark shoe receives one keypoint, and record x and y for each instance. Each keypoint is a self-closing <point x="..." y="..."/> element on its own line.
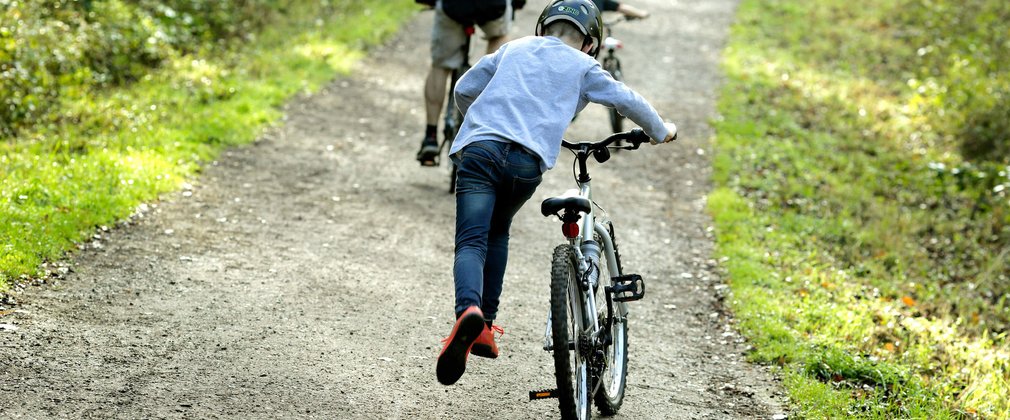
<point x="484" y="345"/>
<point x="429" y="152"/>
<point x="452" y="360"/>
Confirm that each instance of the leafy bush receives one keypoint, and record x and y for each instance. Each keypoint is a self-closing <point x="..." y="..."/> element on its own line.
<point x="88" y="135"/>
<point x="52" y="49"/>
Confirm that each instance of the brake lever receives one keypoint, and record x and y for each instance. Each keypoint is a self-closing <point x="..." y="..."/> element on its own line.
<point x="632" y="146"/>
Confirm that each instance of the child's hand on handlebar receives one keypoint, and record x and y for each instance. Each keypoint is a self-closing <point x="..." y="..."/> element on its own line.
<point x="671" y="134"/>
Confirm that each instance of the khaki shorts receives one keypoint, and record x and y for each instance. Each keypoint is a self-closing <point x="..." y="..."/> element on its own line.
<point x="448" y="36"/>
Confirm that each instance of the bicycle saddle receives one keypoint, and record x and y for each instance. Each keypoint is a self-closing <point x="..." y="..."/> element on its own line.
<point x="570" y="200"/>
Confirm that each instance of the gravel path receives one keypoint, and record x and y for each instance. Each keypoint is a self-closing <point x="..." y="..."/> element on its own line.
<point x="309" y="274"/>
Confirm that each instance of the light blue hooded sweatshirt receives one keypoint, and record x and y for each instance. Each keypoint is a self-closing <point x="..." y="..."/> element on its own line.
<point x="529" y="90"/>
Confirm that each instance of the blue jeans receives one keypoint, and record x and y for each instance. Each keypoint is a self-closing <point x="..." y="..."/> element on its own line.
<point x="494" y="180"/>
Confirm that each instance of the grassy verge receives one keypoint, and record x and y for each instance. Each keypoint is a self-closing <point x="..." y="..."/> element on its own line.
<point x="862" y="216"/>
<point x="113" y="151"/>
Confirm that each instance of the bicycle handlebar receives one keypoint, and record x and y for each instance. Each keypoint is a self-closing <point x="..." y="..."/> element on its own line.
<point x="600" y="151"/>
<point x="636" y="136"/>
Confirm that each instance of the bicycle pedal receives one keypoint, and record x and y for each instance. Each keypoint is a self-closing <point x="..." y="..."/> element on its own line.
<point x="627" y="288"/>
<point x="543" y="394"/>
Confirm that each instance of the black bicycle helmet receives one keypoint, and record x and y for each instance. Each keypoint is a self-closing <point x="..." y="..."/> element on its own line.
<point x="582" y="13"/>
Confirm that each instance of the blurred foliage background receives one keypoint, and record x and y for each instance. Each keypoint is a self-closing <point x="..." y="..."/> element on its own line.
<point x="106" y="104"/>
<point x="863" y="201"/>
<point x="53" y="49"/>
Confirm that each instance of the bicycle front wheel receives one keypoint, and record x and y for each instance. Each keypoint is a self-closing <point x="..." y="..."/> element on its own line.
<point x="571" y="369"/>
<point x="614" y="377"/>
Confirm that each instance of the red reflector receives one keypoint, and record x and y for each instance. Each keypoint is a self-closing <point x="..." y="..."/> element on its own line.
<point x="570" y="230"/>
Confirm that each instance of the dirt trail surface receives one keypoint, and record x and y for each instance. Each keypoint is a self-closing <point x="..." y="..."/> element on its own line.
<point x="308" y="275"/>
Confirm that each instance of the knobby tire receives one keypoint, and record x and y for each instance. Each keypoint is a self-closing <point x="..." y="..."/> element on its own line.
<point x="563" y="324"/>
<point x="610" y="395"/>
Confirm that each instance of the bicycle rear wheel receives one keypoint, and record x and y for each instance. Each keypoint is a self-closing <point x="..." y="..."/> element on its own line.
<point x="453" y="119"/>
<point x="450" y="134"/>
<point x="571" y="369"/>
<point x="614" y="377"/>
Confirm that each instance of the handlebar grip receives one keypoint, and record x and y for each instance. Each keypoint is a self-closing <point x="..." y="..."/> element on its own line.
<point x="638" y="135"/>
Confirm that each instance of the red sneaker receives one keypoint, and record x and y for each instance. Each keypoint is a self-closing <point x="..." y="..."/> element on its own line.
<point x="452" y="359"/>
<point x="484" y="345"/>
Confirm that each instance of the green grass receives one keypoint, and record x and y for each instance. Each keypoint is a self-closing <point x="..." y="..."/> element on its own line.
<point x="867" y="253"/>
<point x="113" y="151"/>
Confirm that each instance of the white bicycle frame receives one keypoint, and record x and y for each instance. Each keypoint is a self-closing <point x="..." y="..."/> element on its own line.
<point x="586" y="298"/>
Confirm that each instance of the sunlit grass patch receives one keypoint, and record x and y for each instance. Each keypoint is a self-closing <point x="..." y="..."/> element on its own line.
<point x="856" y="237"/>
<point x="111" y="150"/>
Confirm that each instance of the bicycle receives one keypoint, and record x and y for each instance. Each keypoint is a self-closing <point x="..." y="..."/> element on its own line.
<point x="613" y="66"/>
<point x="589" y="340"/>
<point x="453" y="118"/>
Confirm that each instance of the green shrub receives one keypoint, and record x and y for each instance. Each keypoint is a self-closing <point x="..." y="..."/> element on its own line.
<point x="53" y="49"/>
<point x="863" y="201"/>
<point x="104" y="135"/>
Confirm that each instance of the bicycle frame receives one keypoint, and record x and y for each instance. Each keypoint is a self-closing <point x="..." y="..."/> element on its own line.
<point x="589" y="230"/>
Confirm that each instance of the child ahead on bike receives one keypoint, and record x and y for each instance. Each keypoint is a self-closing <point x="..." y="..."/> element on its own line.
<point x="517" y="104"/>
<point x="448" y="36"/>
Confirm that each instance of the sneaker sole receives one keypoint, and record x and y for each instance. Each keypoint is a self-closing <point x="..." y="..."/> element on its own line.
<point x="428" y="153"/>
<point x="452" y="361"/>
<point x="483" y="351"/>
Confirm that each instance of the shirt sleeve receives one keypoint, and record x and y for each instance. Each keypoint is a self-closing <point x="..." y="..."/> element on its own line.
<point x="601" y="88"/>
<point x="473" y="82"/>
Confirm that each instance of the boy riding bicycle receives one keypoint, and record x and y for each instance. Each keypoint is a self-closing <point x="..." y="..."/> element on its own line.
<point x="517" y="104"/>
